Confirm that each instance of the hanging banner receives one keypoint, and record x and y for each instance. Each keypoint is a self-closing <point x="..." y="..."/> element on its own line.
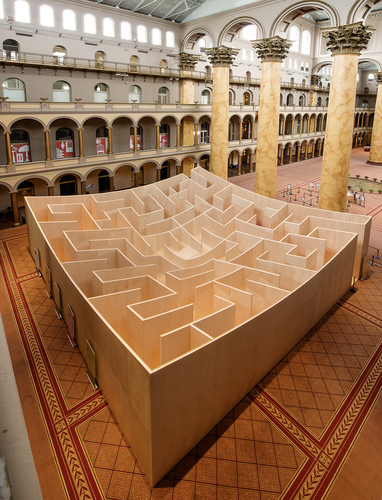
<point x="20" y="152"/>
<point x="64" y="148"/>
<point x="139" y="142"/>
<point x="163" y="140"/>
<point x="71" y="326"/>
<point x="102" y="145"/>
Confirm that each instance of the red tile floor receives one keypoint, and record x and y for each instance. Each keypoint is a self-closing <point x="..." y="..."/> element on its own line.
<point x="310" y="429"/>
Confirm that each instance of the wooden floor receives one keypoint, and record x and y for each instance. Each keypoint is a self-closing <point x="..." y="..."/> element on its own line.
<point x="310" y="429"/>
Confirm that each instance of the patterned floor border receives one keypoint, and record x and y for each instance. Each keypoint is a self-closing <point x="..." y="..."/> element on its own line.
<point x="324" y="455"/>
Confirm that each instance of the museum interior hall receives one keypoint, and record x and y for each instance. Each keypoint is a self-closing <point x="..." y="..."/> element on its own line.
<point x="190" y="249"/>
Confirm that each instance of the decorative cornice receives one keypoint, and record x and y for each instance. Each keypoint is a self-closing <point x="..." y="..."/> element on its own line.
<point x="315" y="79"/>
<point x="272" y="49"/>
<point x="378" y="77"/>
<point x="347" y="39"/>
<point x="222" y="55"/>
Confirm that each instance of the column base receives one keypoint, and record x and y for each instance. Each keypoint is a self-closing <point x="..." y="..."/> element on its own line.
<point x="374" y="162"/>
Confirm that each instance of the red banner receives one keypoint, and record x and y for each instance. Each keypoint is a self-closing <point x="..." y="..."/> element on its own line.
<point x="163" y="140"/>
<point x="64" y="148"/>
<point x="102" y="145"/>
<point x="20" y="152"/>
<point x="139" y="142"/>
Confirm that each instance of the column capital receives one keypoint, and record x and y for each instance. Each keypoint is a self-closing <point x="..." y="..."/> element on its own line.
<point x="274" y="48"/>
<point x="315" y="79"/>
<point x="347" y="39"/>
<point x="378" y="77"/>
<point x="222" y="55"/>
<point x="187" y="62"/>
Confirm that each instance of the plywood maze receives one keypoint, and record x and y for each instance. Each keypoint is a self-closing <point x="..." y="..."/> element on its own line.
<point x="173" y="266"/>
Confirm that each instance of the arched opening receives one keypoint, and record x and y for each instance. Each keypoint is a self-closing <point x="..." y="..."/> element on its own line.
<point x="204" y="132"/>
<point x="290" y="100"/>
<point x="59" y="53"/>
<point x="134" y="93"/>
<point x="61" y="91"/>
<point x="11" y="49"/>
<point x="164" y="136"/>
<point x="165" y="171"/>
<point x="247" y="98"/>
<point x="163" y="95"/>
<point x="64" y="143"/>
<point x="134" y="61"/>
<point x="205" y="97"/>
<point x="68" y="185"/>
<point x="20" y="146"/>
<point x="139" y="138"/>
<point x="14" y="89"/>
<point x="103" y="181"/>
<point x="204" y="162"/>
<point x="99" y="59"/>
<point x="163" y="65"/>
<point x="101" y="92"/>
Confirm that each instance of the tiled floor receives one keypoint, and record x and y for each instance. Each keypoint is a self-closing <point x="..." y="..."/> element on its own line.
<point x="288" y="437"/>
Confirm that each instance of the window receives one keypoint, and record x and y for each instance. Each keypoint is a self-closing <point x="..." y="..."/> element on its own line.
<point x="205" y="97"/>
<point x="244" y="55"/>
<point x="14" y="89"/>
<point x="294" y="37"/>
<point x="249" y="32"/>
<point x="61" y="91"/>
<point x="59" y="53"/>
<point x="134" y="61"/>
<point x="101" y="92"/>
<point x="126" y="30"/>
<point x="11" y="49"/>
<point x="108" y="27"/>
<point x="163" y="66"/>
<point x="370" y="77"/>
<point x="156" y="36"/>
<point x="99" y="59"/>
<point x="305" y="42"/>
<point x="290" y="63"/>
<point x="204" y="132"/>
<point x="46" y="15"/>
<point x="22" y="13"/>
<point x="90" y="24"/>
<point x="1" y="10"/>
<point x="69" y="20"/>
<point x="202" y="45"/>
<point x="306" y="66"/>
<point x="134" y="93"/>
<point x="163" y="95"/>
<point x="170" y="39"/>
<point x="295" y="64"/>
<point x="142" y="33"/>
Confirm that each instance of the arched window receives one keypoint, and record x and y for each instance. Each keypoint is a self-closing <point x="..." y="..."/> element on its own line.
<point x="246" y="98"/>
<point x="249" y="32"/>
<point x="163" y="95"/>
<point x="202" y="45"/>
<point x="103" y="181"/>
<point x="163" y="66"/>
<point x="108" y="27"/>
<point x="14" y="89"/>
<point x="370" y="77"/>
<point x="22" y="11"/>
<point x="69" y="21"/>
<point x="59" y="53"/>
<point x="46" y="16"/>
<point x="170" y="39"/>
<point x="319" y="101"/>
<point x="305" y="42"/>
<point x="61" y="91"/>
<point x="294" y="37"/>
<point x="11" y="49"/>
<point x="20" y="146"/>
<point x="134" y="63"/>
<point x="126" y="30"/>
<point x="205" y="97"/>
<point x="134" y="93"/>
<point x="142" y="33"/>
<point x="156" y="36"/>
<point x="90" y="25"/>
<point x="99" y="58"/>
<point x="68" y="185"/>
<point x="101" y="92"/>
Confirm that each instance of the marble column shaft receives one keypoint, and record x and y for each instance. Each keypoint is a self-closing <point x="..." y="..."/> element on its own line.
<point x="346" y="43"/>
<point x="268" y="129"/>
<point x="376" y="138"/>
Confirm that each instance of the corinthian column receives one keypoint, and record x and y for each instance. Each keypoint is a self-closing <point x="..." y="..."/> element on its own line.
<point x="376" y="138"/>
<point x="345" y="43"/>
<point x="271" y="51"/>
<point x="221" y="59"/>
<point x="187" y="64"/>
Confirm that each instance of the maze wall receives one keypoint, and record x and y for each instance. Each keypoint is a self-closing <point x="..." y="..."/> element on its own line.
<point x="189" y="290"/>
